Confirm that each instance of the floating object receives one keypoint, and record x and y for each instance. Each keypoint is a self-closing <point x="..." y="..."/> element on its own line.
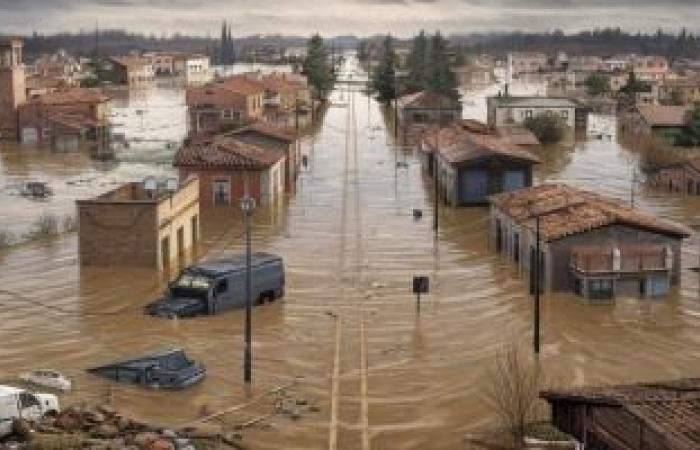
<point x="47" y="378"/>
<point x="170" y="369"/>
<point x="36" y="189"/>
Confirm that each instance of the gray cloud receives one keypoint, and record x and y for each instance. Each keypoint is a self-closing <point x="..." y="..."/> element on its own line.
<point x="401" y="17"/>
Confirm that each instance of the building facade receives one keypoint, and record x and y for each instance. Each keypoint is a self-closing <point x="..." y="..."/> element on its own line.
<point x="66" y="118"/>
<point x="230" y="169"/>
<point x="140" y="225"/>
<point x="594" y="246"/>
<point x="12" y="87"/>
<point x="428" y="107"/>
<point x="509" y="110"/>
<point x="473" y="165"/>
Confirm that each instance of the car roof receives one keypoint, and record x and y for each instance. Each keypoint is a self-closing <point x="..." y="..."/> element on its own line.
<point x="231" y="263"/>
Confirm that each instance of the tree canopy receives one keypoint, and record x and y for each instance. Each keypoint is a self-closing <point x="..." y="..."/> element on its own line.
<point x="597" y="84"/>
<point x="430" y="66"/>
<point x="317" y="68"/>
<point x="383" y="79"/>
<point x="548" y="127"/>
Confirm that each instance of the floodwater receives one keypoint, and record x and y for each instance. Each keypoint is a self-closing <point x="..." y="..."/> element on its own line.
<point x="348" y="332"/>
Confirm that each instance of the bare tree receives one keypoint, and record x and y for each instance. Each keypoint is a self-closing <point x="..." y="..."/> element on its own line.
<point x="514" y="384"/>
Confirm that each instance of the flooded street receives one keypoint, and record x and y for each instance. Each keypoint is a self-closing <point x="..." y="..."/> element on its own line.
<point x="347" y="331"/>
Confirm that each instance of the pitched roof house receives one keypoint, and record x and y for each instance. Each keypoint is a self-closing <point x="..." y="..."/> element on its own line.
<point x="472" y="163"/>
<point x="229" y="169"/>
<point x="660" y="415"/>
<point x="597" y="246"/>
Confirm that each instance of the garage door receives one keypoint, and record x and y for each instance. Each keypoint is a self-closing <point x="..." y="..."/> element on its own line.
<point x="473" y="186"/>
<point x="513" y="179"/>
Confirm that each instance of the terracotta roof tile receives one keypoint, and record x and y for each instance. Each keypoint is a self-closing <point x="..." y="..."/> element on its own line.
<point x="225" y="152"/>
<point x="241" y="84"/>
<point x="428" y="100"/>
<point x="458" y="144"/>
<point x="564" y="211"/>
<point x="662" y="115"/>
<point x="72" y="96"/>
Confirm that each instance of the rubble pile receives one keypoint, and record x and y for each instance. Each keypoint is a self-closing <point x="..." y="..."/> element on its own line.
<point x="103" y="428"/>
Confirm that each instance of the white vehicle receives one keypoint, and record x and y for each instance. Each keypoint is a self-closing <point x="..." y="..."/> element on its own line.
<point x="22" y="404"/>
<point x="47" y="378"/>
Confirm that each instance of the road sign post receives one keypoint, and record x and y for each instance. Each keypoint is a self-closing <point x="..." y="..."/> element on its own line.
<point x="421" y="285"/>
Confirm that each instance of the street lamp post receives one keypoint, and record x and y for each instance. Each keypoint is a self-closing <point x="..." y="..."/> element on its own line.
<point x="247" y="206"/>
<point x="536" y="312"/>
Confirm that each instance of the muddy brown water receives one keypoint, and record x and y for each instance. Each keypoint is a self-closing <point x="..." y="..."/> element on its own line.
<point x="351" y="246"/>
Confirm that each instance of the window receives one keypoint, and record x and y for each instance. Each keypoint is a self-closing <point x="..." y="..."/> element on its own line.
<point x="227" y="114"/>
<point x="565" y="114"/>
<point x="222" y="286"/>
<point x="601" y="289"/>
<point x="528" y="114"/>
<point x="222" y="192"/>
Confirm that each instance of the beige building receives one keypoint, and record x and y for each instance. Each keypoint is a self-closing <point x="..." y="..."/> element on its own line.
<point x="140" y="224"/>
<point x="12" y="86"/>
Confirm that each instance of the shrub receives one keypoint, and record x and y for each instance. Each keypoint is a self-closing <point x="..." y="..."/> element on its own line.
<point x="44" y="227"/>
<point x="515" y="383"/>
<point x="548" y="127"/>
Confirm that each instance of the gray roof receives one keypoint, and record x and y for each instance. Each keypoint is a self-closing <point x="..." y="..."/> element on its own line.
<point x="231" y="263"/>
<point x="534" y="102"/>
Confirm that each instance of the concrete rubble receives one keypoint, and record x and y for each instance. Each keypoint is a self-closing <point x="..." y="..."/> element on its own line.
<point x="105" y="428"/>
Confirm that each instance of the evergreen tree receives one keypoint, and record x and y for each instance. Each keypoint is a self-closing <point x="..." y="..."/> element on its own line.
<point x="440" y="78"/>
<point x="316" y="67"/>
<point x="383" y="80"/>
<point x="416" y="63"/>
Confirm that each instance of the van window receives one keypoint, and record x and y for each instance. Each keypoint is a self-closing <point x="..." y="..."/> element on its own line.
<point x="222" y="286"/>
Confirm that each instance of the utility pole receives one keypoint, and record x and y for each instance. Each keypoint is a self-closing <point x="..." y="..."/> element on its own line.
<point x="634" y="181"/>
<point x="536" y="331"/>
<point x="247" y="206"/>
<point x="436" y="174"/>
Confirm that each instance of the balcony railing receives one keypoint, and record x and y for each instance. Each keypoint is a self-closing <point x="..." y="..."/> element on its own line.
<point x="625" y="263"/>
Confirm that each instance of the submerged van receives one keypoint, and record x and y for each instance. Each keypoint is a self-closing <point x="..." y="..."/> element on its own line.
<point x="16" y="403"/>
<point x="213" y="286"/>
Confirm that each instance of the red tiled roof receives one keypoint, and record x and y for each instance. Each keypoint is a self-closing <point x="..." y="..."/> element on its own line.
<point x="565" y="211"/>
<point x="72" y="96"/>
<point x="241" y="84"/>
<point x="457" y="144"/>
<point x="225" y="152"/>
<point x="216" y="96"/>
<point x="662" y="115"/>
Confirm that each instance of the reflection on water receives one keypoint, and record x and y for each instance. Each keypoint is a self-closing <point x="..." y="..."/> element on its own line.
<point x="351" y="247"/>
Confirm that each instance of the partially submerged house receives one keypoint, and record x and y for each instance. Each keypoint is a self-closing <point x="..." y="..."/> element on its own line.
<point x="658" y="416"/>
<point x="283" y="140"/>
<point x="145" y="224"/>
<point x="507" y="110"/>
<point x="227" y="103"/>
<point x="133" y="71"/>
<point x="230" y="169"/>
<point x="472" y="163"/>
<point x="12" y="86"/>
<point x="66" y="118"/>
<point x="428" y="107"/>
<point x="680" y="177"/>
<point x="668" y="123"/>
<point x="594" y="246"/>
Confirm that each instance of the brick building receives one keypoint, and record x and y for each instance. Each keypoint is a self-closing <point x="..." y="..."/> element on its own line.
<point x="12" y="86"/>
<point x="139" y="225"/>
<point x="231" y="102"/>
<point x="230" y="168"/>
<point x="65" y="118"/>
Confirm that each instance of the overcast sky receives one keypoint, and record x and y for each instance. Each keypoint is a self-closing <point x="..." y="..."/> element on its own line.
<point x="336" y="17"/>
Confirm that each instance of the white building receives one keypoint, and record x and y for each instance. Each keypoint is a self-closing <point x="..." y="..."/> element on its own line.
<point x="508" y="110"/>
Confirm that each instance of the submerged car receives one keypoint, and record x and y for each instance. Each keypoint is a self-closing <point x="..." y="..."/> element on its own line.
<point x="47" y="378"/>
<point x="210" y="287"/>
<point x="17" y="403"/>
<point x="170" y="369"/>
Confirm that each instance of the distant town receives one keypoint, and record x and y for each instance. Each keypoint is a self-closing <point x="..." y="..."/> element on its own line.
<point x="446" y="241"/>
